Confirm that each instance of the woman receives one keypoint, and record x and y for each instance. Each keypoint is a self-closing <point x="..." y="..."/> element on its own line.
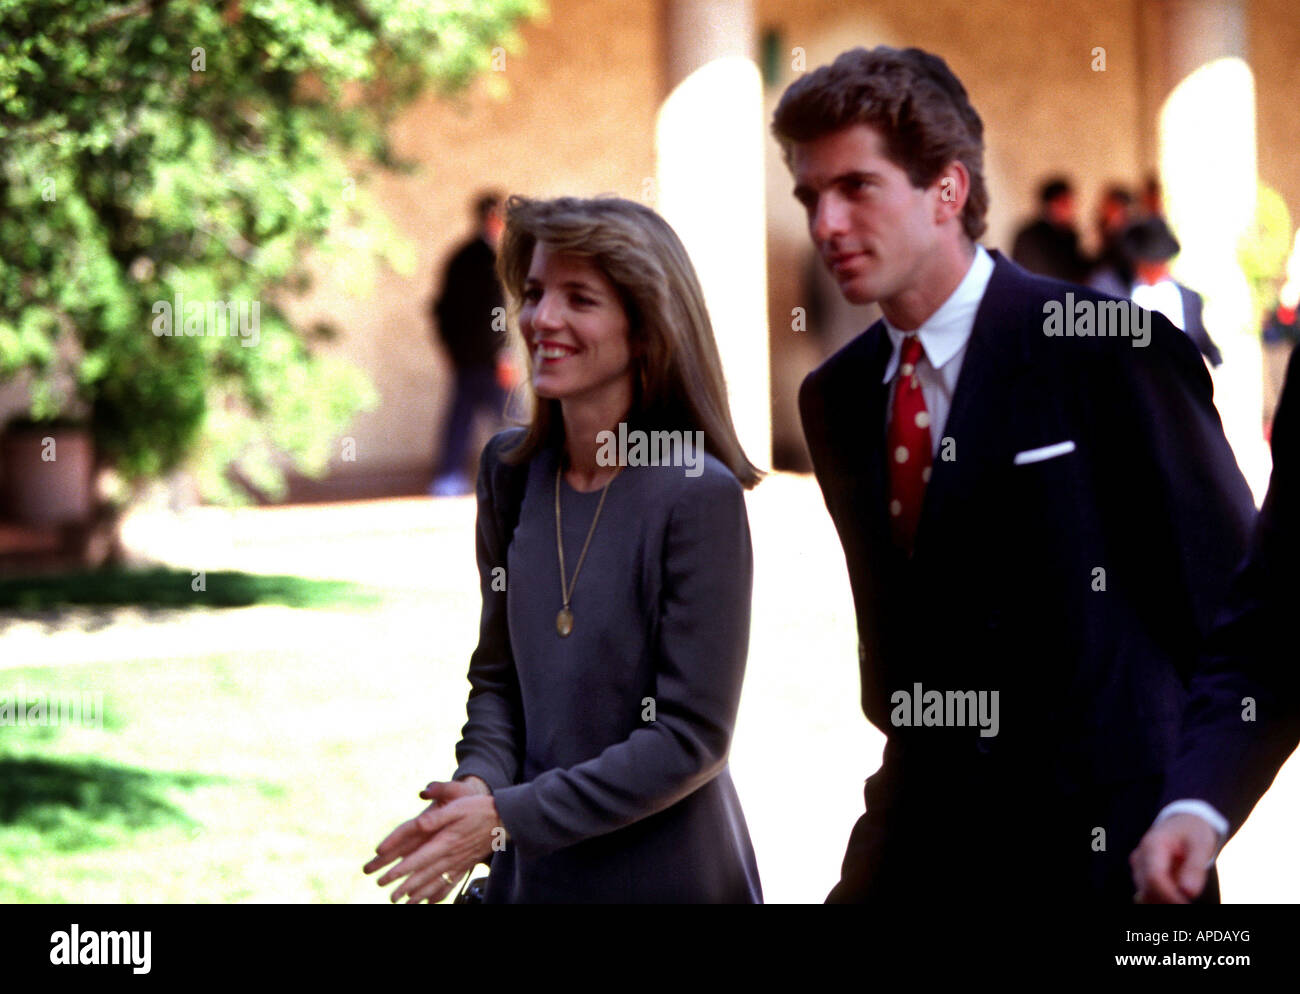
<point x="593" y="766"/>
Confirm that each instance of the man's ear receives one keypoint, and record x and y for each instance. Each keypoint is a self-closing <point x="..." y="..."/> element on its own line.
<point x="952" y="186"/>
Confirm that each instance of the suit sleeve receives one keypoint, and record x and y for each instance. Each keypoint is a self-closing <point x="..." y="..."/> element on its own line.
<point x="1185" y="498"/>
<point x="491" y="739"/>
<point x="1243" y="716"/>
<point x="812" y="416"/>
<point x="1194" y="317"/>
<point x="702" y="642"/>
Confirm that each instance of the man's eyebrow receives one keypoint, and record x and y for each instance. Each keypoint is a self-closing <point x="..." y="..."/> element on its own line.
<point x="803" y="191"/>
<point x="856" y="174"/>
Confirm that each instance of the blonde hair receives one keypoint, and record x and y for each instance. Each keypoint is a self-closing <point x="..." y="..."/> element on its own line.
<point x="677" y="380"/>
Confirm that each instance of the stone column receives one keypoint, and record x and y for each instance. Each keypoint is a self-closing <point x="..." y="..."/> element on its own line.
<point x="710" y="187"/>
<point x="1207" y="154"/>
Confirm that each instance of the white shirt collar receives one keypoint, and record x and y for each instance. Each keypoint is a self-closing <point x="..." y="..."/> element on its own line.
<point x="1163" y="296"/>
<point x="945" y="332"/>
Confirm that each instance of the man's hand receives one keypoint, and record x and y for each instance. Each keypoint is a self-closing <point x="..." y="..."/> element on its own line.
<point x="1171" y="862"/>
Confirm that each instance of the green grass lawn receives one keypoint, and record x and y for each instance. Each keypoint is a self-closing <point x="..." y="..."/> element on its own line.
<point x="225" y="777"/>
<point x="163" y="587"/>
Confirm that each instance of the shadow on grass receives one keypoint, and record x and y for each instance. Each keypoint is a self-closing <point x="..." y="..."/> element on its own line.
<point x="162" y="587"/>
<point x="86" y="803"/>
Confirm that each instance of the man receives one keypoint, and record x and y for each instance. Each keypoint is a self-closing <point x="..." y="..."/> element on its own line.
<point x="1153" y="200"/>
<point x="469" y="315"/>
<point x="1037" y="525"/>
<point x="1243" y="718"/>
<point x="1112" y="270"/>
<point x="1149" y="244"/>
<point x="1050" y="244"/>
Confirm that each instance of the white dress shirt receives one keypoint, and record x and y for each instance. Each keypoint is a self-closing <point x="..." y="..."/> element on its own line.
<point x="1164" y="297"/>
<point x="944" y="336"/>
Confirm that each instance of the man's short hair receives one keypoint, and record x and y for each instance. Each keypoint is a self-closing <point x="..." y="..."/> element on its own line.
<point x="485" y="203"/>
<point x="911" y="98"/>
<point x="1054" y="189"/>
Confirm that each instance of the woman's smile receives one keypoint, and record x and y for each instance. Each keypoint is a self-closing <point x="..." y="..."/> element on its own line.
<point x="551" y="352"/>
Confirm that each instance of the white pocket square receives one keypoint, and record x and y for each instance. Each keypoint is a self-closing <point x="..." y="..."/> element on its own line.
<point x="1046" y="452"/>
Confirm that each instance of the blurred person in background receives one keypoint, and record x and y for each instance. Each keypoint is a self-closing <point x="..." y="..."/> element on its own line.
<point x="1152" y="201"/>
<point x="469" y="315"/>
<point x="1150" y="246"/>
<point x="593" y="766"/>
<point x="1049" y="245"/>
<point x="1112" y="271"/>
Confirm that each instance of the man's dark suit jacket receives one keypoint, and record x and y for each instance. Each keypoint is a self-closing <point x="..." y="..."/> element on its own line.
<point x="1079" y="587"/>
<point x="1243" y="719"/>
<point x="1194" y="322"/>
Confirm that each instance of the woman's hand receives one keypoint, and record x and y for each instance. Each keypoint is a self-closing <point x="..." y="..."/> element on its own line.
<point x="448" y="837"/>
<point x="449" y="790"/>
<point x="408" y="836"/>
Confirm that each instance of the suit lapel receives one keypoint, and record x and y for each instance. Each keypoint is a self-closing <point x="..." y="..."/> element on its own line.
<point x="976" y="434"/>
<point x="858" y="419"/>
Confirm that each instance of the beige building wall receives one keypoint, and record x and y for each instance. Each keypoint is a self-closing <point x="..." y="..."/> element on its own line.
<point x="580" y="114"/>
<point x="1273" y="45"/>
<point x="1275" y="59"/>
<point x="578" y="118"/>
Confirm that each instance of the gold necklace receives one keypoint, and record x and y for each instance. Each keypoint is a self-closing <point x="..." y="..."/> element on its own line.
<point x="564" y="620"/>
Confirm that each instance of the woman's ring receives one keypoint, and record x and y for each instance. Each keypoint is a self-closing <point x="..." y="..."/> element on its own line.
<point x="449" y="878"/>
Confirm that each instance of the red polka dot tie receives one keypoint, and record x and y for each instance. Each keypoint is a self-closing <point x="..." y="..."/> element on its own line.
<point x="908" y="442"/>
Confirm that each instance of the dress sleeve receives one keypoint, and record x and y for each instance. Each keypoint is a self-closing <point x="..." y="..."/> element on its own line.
<point x="491" y="740"/>
<point x="701" y="644"/>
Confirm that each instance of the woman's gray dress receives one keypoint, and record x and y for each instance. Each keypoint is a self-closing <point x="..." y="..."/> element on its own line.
<point x="606" y="751"/>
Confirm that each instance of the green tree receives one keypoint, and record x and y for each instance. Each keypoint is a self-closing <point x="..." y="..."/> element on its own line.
<point x="1264" y="248"/>
<point x="203" y="150"/>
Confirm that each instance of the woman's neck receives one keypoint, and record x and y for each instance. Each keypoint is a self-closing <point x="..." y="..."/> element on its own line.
<point x="584" y="420"/>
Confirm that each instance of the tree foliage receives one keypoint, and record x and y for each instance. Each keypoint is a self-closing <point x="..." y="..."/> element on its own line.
<point x="1264" y="248"/>
<point x="201" y="149"/>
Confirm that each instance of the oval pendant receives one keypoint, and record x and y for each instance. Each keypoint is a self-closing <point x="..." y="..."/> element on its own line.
<point x="564" y="621"/>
